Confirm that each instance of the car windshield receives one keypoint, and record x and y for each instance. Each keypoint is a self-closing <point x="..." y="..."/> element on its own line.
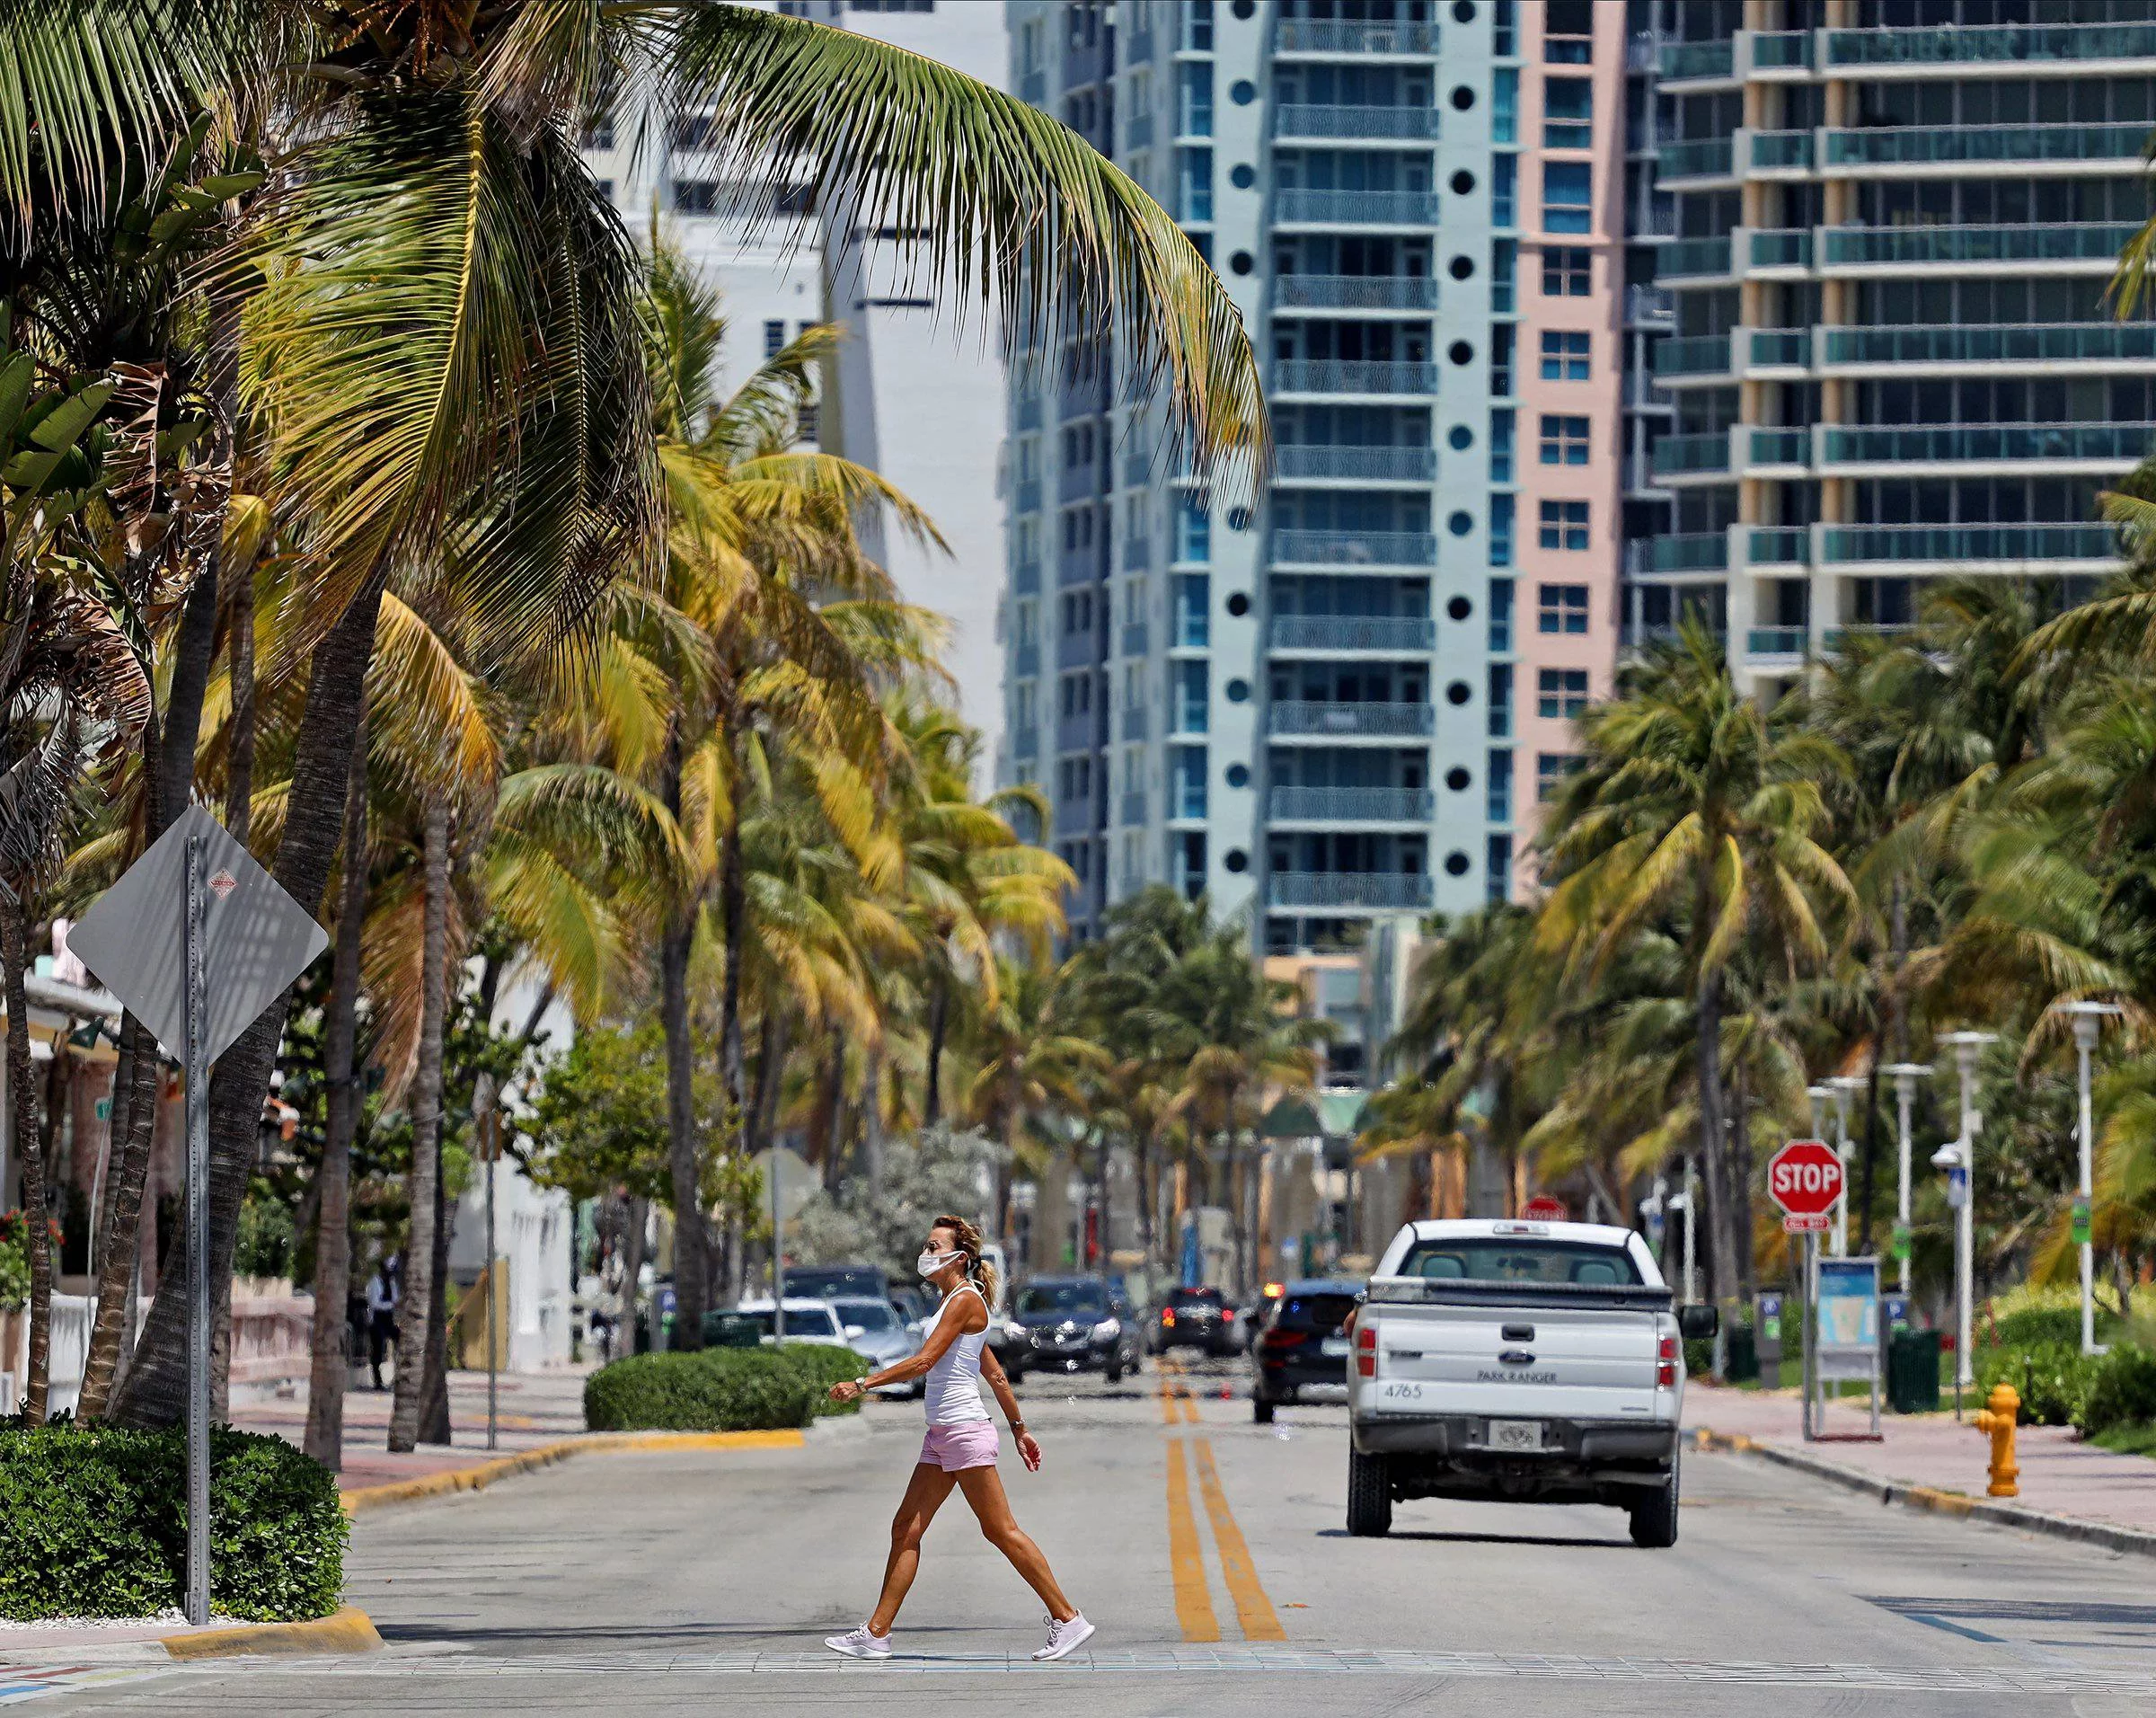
<point x="870" y="1314"/>
<point x="1522" y="1259"/>
<point x="1322" y="1313"/>
<point x="1196" y="1297"/>
<point x="1041" y="1297"/>
<point x="800" y="1321"/>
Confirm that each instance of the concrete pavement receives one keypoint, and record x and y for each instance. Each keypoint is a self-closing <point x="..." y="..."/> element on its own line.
<point x="1212" y="1553"/>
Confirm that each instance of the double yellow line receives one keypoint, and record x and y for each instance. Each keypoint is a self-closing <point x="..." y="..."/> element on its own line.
<point x="1186" y="1558"/>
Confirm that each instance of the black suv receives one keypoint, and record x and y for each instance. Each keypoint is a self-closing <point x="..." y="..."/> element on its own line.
<point x="1198" y="1318"/>
<point x="1071" y="1325"/>
<point x="1300" y="1344"/>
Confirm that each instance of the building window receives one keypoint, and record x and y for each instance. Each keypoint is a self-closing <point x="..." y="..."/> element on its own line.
<point x="1564" y="524"/>
<point x="1561" y="608"/>
<point x="1504" y="105"/>
<point x="1561" y="693"/>
<point x="1499" y="885"/>
<point x="1565" y="355"/>
<point x="1568" y="32"/>
<point x="1500" y="616"/>
<point x="1564" y="439"/>
<point x="1568" y="191"/>
<point x="600" y="133"/>
<point x="1500" y="701"/>
<point x="1194" y="168"/>
<point x="1568" y="272"/>
<point x="1504" y="190"/>
<point x="1500" y="445"/>
<point x="1500" y="530"/>
<point x="1197" y="25"/>
<point x="1498" y="778"/>
<point x="1551" y="768"/>
<point x="1567" y="113"/>
<point x="1193" y="534"/>
<point x="774" y="336"/>
<point x="1194" y="100"/>
<point x="1500" y="360"/>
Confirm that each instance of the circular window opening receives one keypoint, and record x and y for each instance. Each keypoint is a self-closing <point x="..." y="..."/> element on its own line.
<point x="1463" y="98"/>
<point x="1238" y="776"/>
<point x="1460" y="437"/>
<point x="1463" y="12"/>
<point x="1243" y="175"/>
<point x="1238" y="603"/>
<point x="1244" y="8"/>
<point x="1239" y="692"/>
<point x="1460" y="524"/>
<point x="1456" y="864"/>
<point x="1237" y="861"/>
<point x="1242" y="92"/>
<point x="1463" y="182"/>
<point x="1460" y="351"/>
<point x="1457" y="693"/>
<point x="1461" y="267"/>
<point x="1241" y="262"/>
<point x="1458" y="608"/>
<point x="1455" y="778"/>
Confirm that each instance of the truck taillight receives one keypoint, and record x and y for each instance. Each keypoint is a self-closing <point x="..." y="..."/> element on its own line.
<point x="1366" y="1353"/>
<point x="1167" y="1317"/>
<point x="1665" y="1368"/>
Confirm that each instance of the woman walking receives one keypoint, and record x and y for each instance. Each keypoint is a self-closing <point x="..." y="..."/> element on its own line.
<point x="960" y="1447"/>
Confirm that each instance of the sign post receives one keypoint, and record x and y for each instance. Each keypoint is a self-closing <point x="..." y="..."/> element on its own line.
<point x="1806" y="1178"/>
<point x="197" y="940"/>
<point x="1846" y="1316"/>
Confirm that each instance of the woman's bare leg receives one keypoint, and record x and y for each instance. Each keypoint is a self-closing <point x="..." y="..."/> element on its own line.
<point x="984" y="1489"/>
<point x="925" y="1495"/>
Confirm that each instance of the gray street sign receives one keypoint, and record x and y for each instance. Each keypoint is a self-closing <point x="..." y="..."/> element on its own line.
<point x="256" y="939"/>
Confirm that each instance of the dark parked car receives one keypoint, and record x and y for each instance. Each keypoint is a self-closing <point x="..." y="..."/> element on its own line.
<point x="1198" y="1318"/>
<point x="823" y="1281"/>
<point x="1300" y="1345"/>
<point x="1071" y="1325"/>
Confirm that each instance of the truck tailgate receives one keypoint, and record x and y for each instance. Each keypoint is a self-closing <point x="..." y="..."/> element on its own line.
<point x="1540" y="1363"/>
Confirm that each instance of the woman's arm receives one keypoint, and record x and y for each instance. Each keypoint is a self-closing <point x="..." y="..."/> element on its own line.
<point x="914" y="1366"/>
<point x="991" y="1370"/>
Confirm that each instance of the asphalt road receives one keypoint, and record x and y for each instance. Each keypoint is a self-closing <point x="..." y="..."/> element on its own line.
<point x="1211" y="1553"/>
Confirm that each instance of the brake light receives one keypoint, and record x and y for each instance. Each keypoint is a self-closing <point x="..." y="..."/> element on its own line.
<point x="1274" y="1290"/>
<point x="1665" y="1368"/>
<point x="1227" y="1314"/>
<point x="1168" y="1316"/>
<point x="1285" y="1337"/>
<point x="1365" y="1353"/>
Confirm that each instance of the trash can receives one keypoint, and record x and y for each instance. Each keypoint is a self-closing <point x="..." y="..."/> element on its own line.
<point x="730" y="1330"/>
<point x="1912" y="1371"/>
<point x="1744" y="1355"/>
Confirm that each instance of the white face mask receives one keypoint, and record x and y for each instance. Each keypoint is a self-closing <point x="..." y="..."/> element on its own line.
<point x="930" y="1261"/>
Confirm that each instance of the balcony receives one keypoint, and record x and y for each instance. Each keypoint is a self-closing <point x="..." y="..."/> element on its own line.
<point x="1328" y="36"/>
<point x="1033" y="87"/>
<point x="1354" y="208"/>
<point x="1987" y="145"/>
<point x="1691" y="355"/>
<point x="1382" y="634"/>
<point x="1693" y="455"/>
<point x="1774" y="641"/>
<point x="1025" y="743"/>
<point x="1350" y="805"/>
<point x="2105" y="345"/>
<point x="1781" y="152"/>
<point x="1188" y="722"/>
<point x="2104" y="446"/>
<point x="1782" y="248"/>
<point x="1958" y="546"/>
<point x="1353" y="292"/>
<point x="1025" y="658"/>
<point x="1989" y="45"/>
<point x="1363" y="891"/>
<point x="1779" y="349"/>
<point x="1785" y="449"/>
<point x="1135" y="638"/>
<point x="1028" y="414"/>
<point x="1686" y="551"/>
<point x="1694" y="259"/>
<point x="1132" y="724"/>
<point x="1324" y="718"/>
<point x="1026" y="495"/>
<point x="1698" y="61"/>
<point x="1345" y="376"/>
<point x="1648" y="307"/>
<point x="1137" y="131"/>
<point x="1780" y="51"/>
<point x="1137" y="47"/>
<point x="1345" y="547"/>
<point x="1137" y="553"/>
<point x="1302" y="462"/>
<point x="1342" y="121"/>
<point x="2096" y="243"/>
<point x="1778" y="545"/>
<point x="1695" y="158"/>
<point x="1132" y="809"/>
<point x="1025" y="578"/>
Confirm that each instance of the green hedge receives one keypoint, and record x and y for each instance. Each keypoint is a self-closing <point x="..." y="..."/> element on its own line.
<point x="718" y="1389"/>
<point x="2050" y="1374"/>
<point x="2122" y="1391"/>
<point x="92" y="1524"/>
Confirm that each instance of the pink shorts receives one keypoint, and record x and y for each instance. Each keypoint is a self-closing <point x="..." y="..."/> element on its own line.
<point x="970" y="1444"/>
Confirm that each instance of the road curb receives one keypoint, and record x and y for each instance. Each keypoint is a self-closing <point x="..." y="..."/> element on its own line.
<point x="477" y="1478"/>
<point x="342" y="1631"/>
<point x="1934" y="1502"/>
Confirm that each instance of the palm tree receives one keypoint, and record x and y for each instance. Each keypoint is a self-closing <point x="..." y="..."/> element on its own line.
<point x="1035" y="1058"/>
<point x="1697" y="810"/>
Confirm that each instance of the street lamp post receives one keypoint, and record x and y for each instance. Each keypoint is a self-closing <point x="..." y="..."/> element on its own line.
<point x="2087" y="1019"/>
<point x="1843" y="1085"/>
<point x="1818" y="1095"/>
<point x="1684" y="1201"/>
<point x="1905" y="1077"/>
<point x="1962" y="1156"/>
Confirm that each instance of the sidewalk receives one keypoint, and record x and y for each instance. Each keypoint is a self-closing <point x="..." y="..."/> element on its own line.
<point x="2060" y="1475"/>
<point x="535" y="1408"/>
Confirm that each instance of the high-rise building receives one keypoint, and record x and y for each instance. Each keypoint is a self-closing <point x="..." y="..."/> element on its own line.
<point x="1893" y="359"/>
<point x="1342" y="703"/>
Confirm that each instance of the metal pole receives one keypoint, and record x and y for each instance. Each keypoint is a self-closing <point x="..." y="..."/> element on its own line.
<point x="1904" y="1091"/>
<point x="1965" y="1225"/>
<point x="489" y="1142"/>
<point x="1842" y="1152"/>
<point x="1811" y="1333"/>
<point x="778" y="1234"/>
<point x="198" y="1258"/>
<point x="1691" y="1250"/>
<point x="2084" y="1042"/>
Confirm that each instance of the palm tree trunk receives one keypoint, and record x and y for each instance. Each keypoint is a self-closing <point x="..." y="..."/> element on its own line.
<point x="416" y="1309"/>
<point x="684" y="1155"/>
<point x="155" y="1391"/>
<point x="434" y="1377"/>
<point x="1714" y="1156"/>
<point x="239" y="773"/>
<point x="1740" y="1178"/>
<point x="126" y="1169"/>
<point x="733" y="921"/>
<point x="1149" y="1193"/>
<point x="823" y="1118"/>
<point x="872" y="1122"/>
<point x="330" y="1363"/>
<point x="23" y="1134"/>
<point x="632" y="1269"/>
<point x="938" y="1027"/>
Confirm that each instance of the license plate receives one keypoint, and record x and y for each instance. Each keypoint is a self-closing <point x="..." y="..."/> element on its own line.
<point x="1336" y="1347"/>
<point x="1516" y="1434"/>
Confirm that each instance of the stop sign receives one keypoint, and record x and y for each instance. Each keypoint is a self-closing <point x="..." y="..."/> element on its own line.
<point x="1544" y="1208"/>
<point x="1804" y="1177"/>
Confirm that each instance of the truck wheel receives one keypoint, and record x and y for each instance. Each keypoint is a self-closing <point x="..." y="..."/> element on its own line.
<point x="1369" y="1496"/>
<point x="1114" y="1368"/>
<point x="1261" y="1410"/>
<point x="1655" y="1517"/>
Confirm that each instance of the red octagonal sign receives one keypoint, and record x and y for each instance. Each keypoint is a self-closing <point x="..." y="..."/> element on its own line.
<point x="1804" y="1177"/>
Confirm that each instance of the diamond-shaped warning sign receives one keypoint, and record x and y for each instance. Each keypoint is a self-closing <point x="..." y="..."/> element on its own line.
<point x="222" y="884"/>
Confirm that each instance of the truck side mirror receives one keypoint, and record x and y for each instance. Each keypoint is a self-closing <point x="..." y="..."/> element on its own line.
<point x="1698" y="1324"/>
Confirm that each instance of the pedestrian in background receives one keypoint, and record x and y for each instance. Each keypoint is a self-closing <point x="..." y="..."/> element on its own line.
<point x="383" y="1293"/>
<point x="960" y="1447"/>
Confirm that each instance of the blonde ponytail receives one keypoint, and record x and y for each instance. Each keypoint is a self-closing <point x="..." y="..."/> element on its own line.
<point x="978" y="1271"/>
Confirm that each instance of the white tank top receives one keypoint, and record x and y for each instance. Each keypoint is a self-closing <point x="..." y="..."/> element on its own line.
<point x="953" y="1395"/>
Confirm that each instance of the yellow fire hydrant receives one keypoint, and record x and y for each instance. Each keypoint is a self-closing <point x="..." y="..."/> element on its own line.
<point x="1999" y="1420"/>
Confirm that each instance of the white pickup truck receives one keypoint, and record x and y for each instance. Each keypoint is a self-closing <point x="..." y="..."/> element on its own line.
<point x="1518" y="1361"/>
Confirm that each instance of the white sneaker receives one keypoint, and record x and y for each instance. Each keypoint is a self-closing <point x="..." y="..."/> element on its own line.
<point x="861" y="1644"/>
<point x="1064" y="1639"/>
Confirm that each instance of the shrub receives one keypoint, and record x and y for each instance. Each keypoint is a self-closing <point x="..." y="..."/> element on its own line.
<point x="92" y="1524"/>
<point x="822" y="1367"/>
<point x="724" y="1389"/>
<point x="2122" y="1391"/>
<point x="2051" y="1376"/>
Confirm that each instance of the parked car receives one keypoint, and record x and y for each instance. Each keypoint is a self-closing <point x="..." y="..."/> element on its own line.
<point x="1301" y="1344"/>
<point x="807" y="1320"/>
<point x="874" y="1328"/>
<point x="1198" y="1318"/>
<point x="1071" y="1325"/>
<point x="915" y="1308"/>
<point x="1518" y="1362"/>
<point x="821" y="1281"/>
